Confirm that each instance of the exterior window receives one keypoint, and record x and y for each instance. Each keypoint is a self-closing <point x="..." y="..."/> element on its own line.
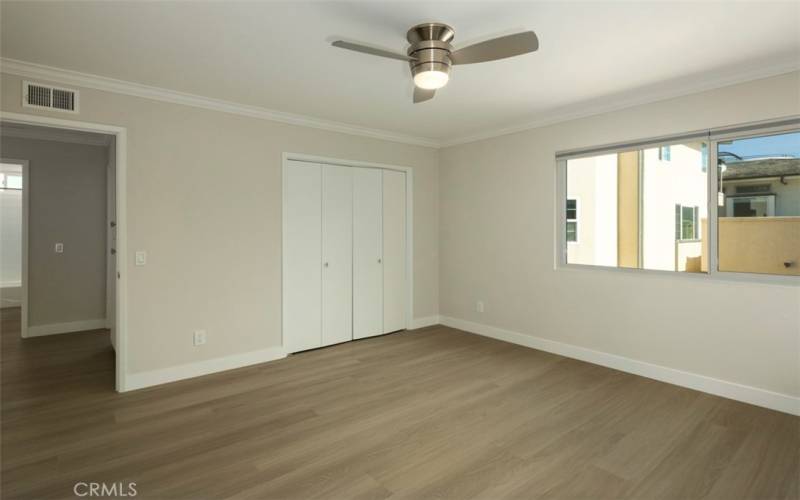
<point x="759" y="210"/>
<point x="686" y="223"/>
<point x="728" y="201"/>
<point x="704" y="158"/>
<point x="10" y="181"/>
<point x="572" y="220"/>
<point x="750" y="206"/>
<point x="636" y="214"/>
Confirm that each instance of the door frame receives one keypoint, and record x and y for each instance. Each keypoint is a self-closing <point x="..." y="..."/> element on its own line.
<point x="120" y="134"/>
<point x="409" y="316"/>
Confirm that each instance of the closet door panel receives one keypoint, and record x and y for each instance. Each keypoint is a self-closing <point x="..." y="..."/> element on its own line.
<point x="302" y="274"/>
<point x="337" y="254"/>
<point x="367" y="261"/>
<point x="394" y="250"/>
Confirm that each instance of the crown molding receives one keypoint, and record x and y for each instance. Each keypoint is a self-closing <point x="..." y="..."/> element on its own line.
<point x="52" y="134"/>
<point x="574" y="112"/>
<point x="608" y="106"/>
<point x="76" y="78"/>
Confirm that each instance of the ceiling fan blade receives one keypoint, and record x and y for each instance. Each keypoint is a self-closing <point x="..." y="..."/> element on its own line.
<point x="497" y="48"/>
<point x="422" y="95"/>
<point x="375" y="51"/>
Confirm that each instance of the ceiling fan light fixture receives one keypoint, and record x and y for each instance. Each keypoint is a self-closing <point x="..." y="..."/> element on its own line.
<point x="431" y="75"/>
<point x="431" y="79"/>
<point x="430" y="54"/>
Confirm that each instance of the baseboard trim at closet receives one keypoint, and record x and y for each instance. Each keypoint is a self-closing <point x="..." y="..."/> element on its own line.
<point x="423" y="322"/>
<point x="151" y="378"/>
<point x="70" y="327"/>
<point x="731" y="390"/>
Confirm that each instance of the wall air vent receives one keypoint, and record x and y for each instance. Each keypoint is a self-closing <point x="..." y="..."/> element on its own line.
<point x="37" y="95"/>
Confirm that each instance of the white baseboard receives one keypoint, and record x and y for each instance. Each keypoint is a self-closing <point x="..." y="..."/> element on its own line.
<point x="10" y="294"/>
<point x="141" y="380"/>
<point x="73" y="326"/>
<point x="731" y="390"/>
<point x="423" y="322"/>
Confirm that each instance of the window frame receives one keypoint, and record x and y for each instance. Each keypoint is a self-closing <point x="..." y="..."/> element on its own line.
<point x="695" y="223"/>
<point x="712" y="137"/>
<point x="575" y="220"/>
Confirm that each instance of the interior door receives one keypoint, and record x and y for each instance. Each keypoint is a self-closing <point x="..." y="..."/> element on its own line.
<point x="302" y="259"/>
<point x="394" y="250"/>
<point x="337" y="254"/>
<point x="367" y="259"/>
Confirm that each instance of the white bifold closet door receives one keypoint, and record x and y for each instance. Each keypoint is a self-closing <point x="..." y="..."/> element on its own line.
<point x="337" y="254"/>
<point x="344" y="262"/>
<point x="302" y="259"/>
<point x="367" y="253"/>
<point x="394" y="251"/>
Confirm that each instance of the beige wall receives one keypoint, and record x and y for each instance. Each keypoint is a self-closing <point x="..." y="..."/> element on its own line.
<point x="628" y="209"/>
<point x="67" y="205"/>
<point x="497" y="245"/>
<point x="759" y="244"/>
<point x="204" y="200"/>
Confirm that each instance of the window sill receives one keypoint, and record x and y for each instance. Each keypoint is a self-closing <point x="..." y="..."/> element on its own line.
<point x="713" y="277"/>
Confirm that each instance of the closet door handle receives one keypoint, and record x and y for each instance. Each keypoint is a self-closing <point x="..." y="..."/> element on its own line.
<point x="326" y="264"/>
<point x="380" y="260"/>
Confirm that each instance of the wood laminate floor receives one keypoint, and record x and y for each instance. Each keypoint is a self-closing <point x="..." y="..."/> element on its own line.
<point x="429" y="413"/>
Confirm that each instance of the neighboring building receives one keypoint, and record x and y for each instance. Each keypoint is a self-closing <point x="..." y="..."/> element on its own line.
<point x="592" y="210"/>
<point x="641" y="209"/>
<point x="759" y="215"/>
<point x="675" y="206"/>
<point x="762" y="187"/>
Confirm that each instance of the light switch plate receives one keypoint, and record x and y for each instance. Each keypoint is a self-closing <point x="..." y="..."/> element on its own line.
<point x="141" y="257"/>
<point x="59" y="248"/>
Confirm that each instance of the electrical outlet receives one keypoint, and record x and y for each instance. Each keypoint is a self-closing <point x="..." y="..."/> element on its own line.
<point x="199" y="337"/>
<point x="479" y="306"/>
<point x="59" y="248"/>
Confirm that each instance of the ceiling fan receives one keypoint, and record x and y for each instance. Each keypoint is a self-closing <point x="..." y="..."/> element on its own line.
<point x="431" y="55"/>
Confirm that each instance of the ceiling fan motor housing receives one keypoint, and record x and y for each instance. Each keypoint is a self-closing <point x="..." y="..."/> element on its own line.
<point x="430" y="46"/>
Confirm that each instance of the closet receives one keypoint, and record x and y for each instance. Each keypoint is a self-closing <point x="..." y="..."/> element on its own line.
<point x="344" y="262"/>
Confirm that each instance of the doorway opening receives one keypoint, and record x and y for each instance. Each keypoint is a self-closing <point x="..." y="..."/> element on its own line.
<point x="60" y="276"/>
<point x="13" y="208"/>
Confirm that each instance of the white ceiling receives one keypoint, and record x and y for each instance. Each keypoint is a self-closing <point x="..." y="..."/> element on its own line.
<point x="592" y="55"/>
